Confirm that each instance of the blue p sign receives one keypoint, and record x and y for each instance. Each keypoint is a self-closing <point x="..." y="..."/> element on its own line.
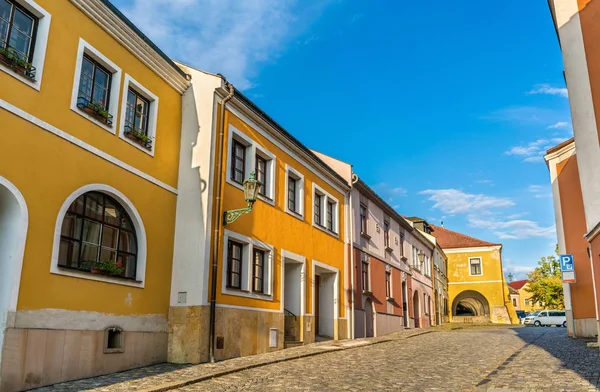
<point x="566" y="263"/>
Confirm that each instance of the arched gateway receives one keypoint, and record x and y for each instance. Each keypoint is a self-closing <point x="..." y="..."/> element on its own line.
<point x="470" y="303"/>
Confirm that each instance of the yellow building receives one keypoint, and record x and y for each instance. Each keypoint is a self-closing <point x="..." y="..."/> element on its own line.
<point x="521" y="298"/>
<point x="279" y="269"/>
<point x="477" y="290"/>
<point x="91" y="115"/>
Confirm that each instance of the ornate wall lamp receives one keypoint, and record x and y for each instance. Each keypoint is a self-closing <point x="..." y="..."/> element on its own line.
<point x="251" y="186"/>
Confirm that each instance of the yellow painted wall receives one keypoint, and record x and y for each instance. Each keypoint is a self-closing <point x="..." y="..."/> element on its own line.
<point x="47" y="169"/>
<point x="272" y="225"/>
<point x="490" y="284"/>
<point x="523" y="295"/>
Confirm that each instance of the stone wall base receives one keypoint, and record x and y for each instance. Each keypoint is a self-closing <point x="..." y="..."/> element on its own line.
<point x="34" y="358"/>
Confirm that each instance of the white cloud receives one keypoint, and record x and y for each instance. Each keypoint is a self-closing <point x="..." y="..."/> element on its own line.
<point x="230" y="37"/>
<point x="519" y="269"/>
<point x="535" y="188"/>
<point x="560" y="125"/>
<point x="454" y="201"/>
<point x="539" y="191"/>
<point x="534" y="151"/>
<point x="481" y="212"/>
<point x="547" y="89"/>
<point x="487" y="182"/>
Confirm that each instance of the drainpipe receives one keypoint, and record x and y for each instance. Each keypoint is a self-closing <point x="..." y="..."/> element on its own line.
<point x="351" y="220"/>
<point x="217" y="223"/>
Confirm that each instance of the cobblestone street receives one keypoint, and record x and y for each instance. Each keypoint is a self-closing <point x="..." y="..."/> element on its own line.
<point x="471" y="359"/>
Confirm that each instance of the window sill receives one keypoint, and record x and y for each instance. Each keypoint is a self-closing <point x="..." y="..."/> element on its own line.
<point x="75" y="273"/>
<point x="295" y="214"/>
<point x="403" y="258"/>
<point x="367" y="293"/>
<point x="389" y="249"/>
<point x="134" y="143"/>
<point x="246" y="293"/>
<point x="390" y="299"/>
<point x="326" y="230"/>
<point x="365" y="235"/>
<point x="93" y="120"/>
<point x="33" y="83"/>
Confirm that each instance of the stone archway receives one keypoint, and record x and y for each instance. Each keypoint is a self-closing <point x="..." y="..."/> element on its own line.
<point x="470" y="303"/>
<point x="13" y="233"/>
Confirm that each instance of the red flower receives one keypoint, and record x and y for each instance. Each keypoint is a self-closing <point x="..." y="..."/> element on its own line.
<point x="119" y="263"/>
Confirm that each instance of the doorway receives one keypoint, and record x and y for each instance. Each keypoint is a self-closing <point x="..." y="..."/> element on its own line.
<point x="369" y="318"/>
<point x="325" y="300"/>
<point x="416" y="313"/>
<point x="404" y="305"/>
<point x="13" y="232"/>
<point x="317" y="301"/>
<point x="293" y="299"/>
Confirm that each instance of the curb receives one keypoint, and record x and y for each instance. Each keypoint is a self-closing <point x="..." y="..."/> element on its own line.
<point x="195" y="380"/>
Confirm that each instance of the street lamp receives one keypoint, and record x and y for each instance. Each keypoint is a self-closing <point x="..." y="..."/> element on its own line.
<point x="251" y="186"/>
<point x="421" y="256"/>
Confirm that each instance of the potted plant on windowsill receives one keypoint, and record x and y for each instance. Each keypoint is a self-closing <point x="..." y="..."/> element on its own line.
<point x="108" y="268"/>
<point x="11" y="59"/>
<point x="140" y="138"/>
<point x="97" y="111"/>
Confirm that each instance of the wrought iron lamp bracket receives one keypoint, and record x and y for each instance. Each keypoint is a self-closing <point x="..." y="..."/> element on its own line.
<point x="232" y="215"/>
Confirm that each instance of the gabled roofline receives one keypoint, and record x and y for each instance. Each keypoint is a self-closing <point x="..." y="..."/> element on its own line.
<point x="143" y="36"/>
<point x="371" y="194"/>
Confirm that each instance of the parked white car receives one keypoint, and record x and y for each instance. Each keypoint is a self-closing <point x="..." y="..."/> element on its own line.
<point x="547" y="318"/>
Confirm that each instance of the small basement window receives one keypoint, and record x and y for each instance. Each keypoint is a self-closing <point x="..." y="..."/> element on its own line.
<point x="113" y="340"/>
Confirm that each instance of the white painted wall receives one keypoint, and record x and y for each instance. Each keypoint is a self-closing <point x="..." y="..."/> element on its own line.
<point x="292" y="297"/>
<point x="13" y="231"/>
<point x="191" y="256"/>
<point x="582" y="109"/>
<point x="326" y="305"/>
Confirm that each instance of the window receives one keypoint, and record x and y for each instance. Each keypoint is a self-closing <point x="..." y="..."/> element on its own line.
<point x="261" y="174"/>
<point x="97" y="236"/>
<point x="24" y="28"/>
<point x="234" y="264"/>
<point x="330" y="215"/>
<point x="140" y="108"/>
<point x="415" y="258"/>
<point x="514" y="300"/>
<point x="318" y="207"/>
<point x="401" y="244"/>
<point x="365" y="275"/>
<point x="475" y="265"/>
<point x="388" y="284"/>
<point x="386" y="234"/>
<point x="363" y="219"/>
<point x="238" y="163"/>
<point x="136" y="115"/>
<point x="527" y="301"/>
<point x="258" y="271"/>
<point x="96" y="87"/>
<point x="294" y="193"/>
<point x="244" y="156"/>
<point x="247" y="267"/>
<point x="17" y="30"/>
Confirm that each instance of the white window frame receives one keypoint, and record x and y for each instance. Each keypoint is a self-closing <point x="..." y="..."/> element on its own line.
<point x="152" y="112"/>
<point x="252" y="149"/>
<point x="480" y="265"/>
<point x="326" y="197"/>
<point x="249" y="244"/>
<point x="365" y="258"/>
<point x="290" y="171"/>
<point x="40" y="45"/>
<point x="140" y="233"/>
<point x="115" y="84"/>
<point x="389" y="270"/>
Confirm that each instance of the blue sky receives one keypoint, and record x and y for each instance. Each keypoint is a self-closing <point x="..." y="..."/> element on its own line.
<point x="445" y="109"/>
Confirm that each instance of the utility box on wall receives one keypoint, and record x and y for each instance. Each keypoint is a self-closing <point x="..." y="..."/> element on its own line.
<point x="273" y="338"/>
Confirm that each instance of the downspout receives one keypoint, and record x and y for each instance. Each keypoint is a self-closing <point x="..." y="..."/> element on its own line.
<point x="217" y="223"/>
<point x="351" y="220"/>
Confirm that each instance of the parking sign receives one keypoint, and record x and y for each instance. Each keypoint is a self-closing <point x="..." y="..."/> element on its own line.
<point x="566" y="263"/>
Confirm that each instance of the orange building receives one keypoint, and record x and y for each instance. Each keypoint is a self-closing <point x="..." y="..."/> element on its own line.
<point x="571" y="231"/>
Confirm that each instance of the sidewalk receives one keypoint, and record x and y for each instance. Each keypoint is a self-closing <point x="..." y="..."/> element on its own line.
<point x="165" y="377"/>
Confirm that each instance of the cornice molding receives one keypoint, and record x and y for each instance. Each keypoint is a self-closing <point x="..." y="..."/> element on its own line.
<point x="119" y="30"/>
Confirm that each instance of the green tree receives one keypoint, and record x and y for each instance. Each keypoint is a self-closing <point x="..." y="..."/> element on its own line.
<point x="545" y="283"/>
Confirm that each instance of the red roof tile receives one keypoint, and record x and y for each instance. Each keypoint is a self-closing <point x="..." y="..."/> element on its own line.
<point x="449" y="239"/>
<point x="518" y="284"/>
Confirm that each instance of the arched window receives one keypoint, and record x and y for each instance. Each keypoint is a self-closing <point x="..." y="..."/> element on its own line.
<point x="98" y="236"/>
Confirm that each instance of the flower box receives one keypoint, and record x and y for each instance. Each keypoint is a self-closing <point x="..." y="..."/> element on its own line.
<point x="108" y="268"/>
<point x="139" y="138"/>
<point x="95" y="110"/>
<point x="11" y="60"/>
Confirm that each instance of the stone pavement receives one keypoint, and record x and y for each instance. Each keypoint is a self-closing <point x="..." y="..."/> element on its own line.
<point x="489" y="359"/>
<point x="164" y="377"/>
